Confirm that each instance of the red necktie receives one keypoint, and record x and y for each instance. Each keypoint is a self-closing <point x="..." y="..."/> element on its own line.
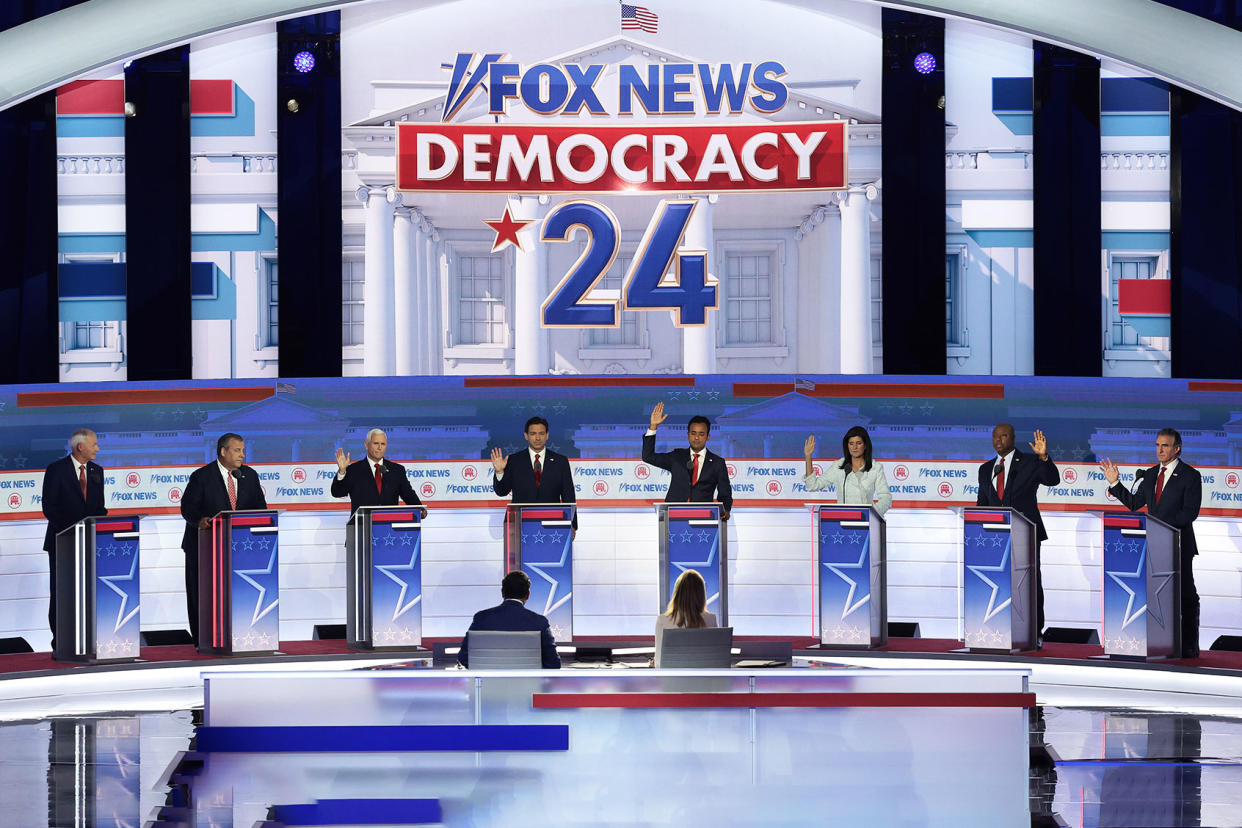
<point x="379" y="480"/>
<point x="232" y="493"/>
<point x="1159" y="484"/>
<point x="82" y="480"/>
<point x="538" y="471"/>
<point x="694" y="473"/>
<point x="1000" y="482"/>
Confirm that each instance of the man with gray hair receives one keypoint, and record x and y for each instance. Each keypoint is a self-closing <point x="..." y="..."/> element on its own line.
<point x="373" y="480"/>
<point x="73" y="488"/>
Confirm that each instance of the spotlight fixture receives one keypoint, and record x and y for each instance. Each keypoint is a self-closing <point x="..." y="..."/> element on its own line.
<point x="925" y="63"/>
<point x="292" y="105"/>
<point x="130" y="109"/>
<point x="304" y="61"/>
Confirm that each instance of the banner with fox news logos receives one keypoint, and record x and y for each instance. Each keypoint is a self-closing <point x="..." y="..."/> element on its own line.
<point x="612" y="483"/>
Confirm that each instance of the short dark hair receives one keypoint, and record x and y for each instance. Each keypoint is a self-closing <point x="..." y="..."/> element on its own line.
<point x="699" y="418"/>
<point x="515" y="585"/>
<point x="1171" y="432"/>
<point x="224" y="441"/>
<point x="536" y="421"/>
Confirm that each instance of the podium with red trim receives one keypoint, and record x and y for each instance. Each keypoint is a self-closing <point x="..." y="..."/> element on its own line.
<point x="1142" y="587"/>
<point x="998" y="580"/>
<point x="97" y="590"/>
<point x="694" y="536"/>
<point x="383" y="578"/>
<point x="853" y="583"/>
<point x="239" y="583"/>
<point x="539" y="540"/>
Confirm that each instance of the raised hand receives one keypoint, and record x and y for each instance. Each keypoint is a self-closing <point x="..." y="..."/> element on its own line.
<point x="1040" y="446"/>
<point x="499" y="460"/>
<point x="808" y="448"/>
<point x="342" y="461"/>
<point x="657" y="416"/>
<point x="1111" y="472"/>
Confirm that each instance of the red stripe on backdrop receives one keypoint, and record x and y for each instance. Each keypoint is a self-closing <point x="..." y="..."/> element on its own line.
<point x="1143" y="296"/>
<point x="211" y="97"/>
<point x="91" y="97"/>
<point x="1235" y="387"/>
<point x="889" y="390"/>
<point x="561" y="701"/>
<point x="143" y="396"/>
<point x="578" y="382"/>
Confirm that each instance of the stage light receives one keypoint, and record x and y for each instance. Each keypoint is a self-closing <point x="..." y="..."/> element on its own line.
<point x="304" y="61"/>
<point x="292" y="105"/>
<point x="925" y="63"/>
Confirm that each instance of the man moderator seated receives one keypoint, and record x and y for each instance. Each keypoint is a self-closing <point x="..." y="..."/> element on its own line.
<point x="373" y="480"/>
<point x="511" y="615"/>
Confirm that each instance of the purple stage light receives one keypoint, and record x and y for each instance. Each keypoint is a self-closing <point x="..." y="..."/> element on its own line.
<point x="304" y="62"/>
<point x="924" y="63"/>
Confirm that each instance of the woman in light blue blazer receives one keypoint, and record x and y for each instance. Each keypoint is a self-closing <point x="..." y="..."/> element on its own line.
<point x="859" y="480"/>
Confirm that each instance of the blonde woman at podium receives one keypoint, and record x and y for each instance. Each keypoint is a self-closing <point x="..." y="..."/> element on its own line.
<point x="686" y="609"/>
<point x="859" y="479"/>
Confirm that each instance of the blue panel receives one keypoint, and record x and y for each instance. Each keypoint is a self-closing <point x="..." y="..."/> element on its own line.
<point x="365" y="739"/>
<point x="987" y="586"/>
<point x="1125" y="591"/>
<point x="265" y="239"/>
<point x="255" y="585"/>
<point x="547" y="559"/>
<point x="90" y="126"/>
<point x="221" y="306"/>
<point x="1134" y="240"/>
<point x="844" y="578"/>
<point x="1013" y="94"/>
<point x="1148" y="325"/>
<point x="92" y="310"/>
<point x="1017" y="123"/>
<point x="241" y="122"/>
<point x="203" y="280"/>
<point x="92" y="244"/>
<point x="1134" y="95"/>
<point x="360" y="812"/>
<point x="117" y="596"/>
<point x="1134" y="124"/>
<point x="396" y="583"/>
<point x="81" y="280"/>
<point x="1003" y="238"/>
<point x="692" y="545"/>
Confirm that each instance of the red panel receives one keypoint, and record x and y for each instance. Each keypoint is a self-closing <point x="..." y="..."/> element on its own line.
<point x="115" y="526"/>
<point x="889" y="390"/>
<point x="578" y="382"/>
<point x="1215" y="386"/>
<point x="91" y="97"/>
<point x="691" y="514"/>
<point x="252" y="520"/>
<point x="836" y="514"/>
<point x="1123" y="523"/>
<point x="211" y="97"/>
<point x="543" y="514"/>
<point x="710" y="700"/>
<point x="1149" y="296"/>
<point x="391" y="517"/>
<point x="143" y="396"/>
<point x="985" y="517"/>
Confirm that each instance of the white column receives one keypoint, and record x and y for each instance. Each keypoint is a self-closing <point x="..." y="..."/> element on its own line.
<point x="419" y="296"/>
<point x="698" y="343"/>
<point x="433" y="328"/>
<point x="530" y="341"/>
<point x="822" y="245"/>
<point x="378" y="314"/>
<point x="405" y="286"/>
<point x="856" y="279"/>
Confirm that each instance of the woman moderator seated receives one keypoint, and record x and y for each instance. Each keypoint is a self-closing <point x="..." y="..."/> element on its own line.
<point x="686" y="609"/>
<point x="859" y="480"/>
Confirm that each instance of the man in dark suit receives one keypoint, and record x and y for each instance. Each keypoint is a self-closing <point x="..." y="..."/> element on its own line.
<point x="511" y="615"/>
<point x="1172" y="492"/>
<point x="73" y="488"/>
<point x="1012" y="478"/>
<point x="225" y="484"/>
<point x="536" y="475"/>
<point x="373" y="481"/>
<point x="699" y="476"/>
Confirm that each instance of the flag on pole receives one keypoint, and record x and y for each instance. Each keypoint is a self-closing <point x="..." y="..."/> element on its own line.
<point x="639" y="17"/>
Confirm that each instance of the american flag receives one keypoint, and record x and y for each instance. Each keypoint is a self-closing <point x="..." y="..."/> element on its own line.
<point x="639" y="17"/>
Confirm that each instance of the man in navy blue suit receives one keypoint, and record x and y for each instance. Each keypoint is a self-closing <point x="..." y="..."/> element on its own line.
<point x="536" y="475"/>
<point x="374" y="480"/>
<point x="511" y="615"/>
<point x="73" y="488"/>
<point x="1012" y="478"/>
<point x="223" y="485"/>
<point x="699" y="476"/>
<point x="1172" y="491"/>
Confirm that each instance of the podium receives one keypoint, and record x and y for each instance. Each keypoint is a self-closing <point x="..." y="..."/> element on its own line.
<point x="384" y="578"/>
<point x="239" y="583"/>
<point x="693" y="536"/>
<point x="539" y="541"/>
<point x="998" y="584"/>
<point x="1142" y="587"/>
<point x="853" y="579"/>
<point x="97" y="590"/>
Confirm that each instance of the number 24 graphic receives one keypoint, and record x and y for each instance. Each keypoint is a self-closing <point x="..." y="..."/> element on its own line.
<point x="691" y="294"/>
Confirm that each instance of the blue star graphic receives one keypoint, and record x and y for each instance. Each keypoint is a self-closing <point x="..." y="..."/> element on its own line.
<point x="1130" y="613"/>
<point x="406" y="539"/>
<point x="244" y="574"/>
<point x="835" y="568"/>
<point x="552" y="602"/>
<point x="705" y="564"/>
<point x="121" y="616"/>
<point x="978" y="570"/>
<point x="400" y="608"/>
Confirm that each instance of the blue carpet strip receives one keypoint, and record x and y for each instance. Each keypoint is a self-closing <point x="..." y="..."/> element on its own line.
<point x="366" y="739"/>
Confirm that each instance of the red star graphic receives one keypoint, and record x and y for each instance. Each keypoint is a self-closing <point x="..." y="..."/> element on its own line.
<point x="507" y="229"/>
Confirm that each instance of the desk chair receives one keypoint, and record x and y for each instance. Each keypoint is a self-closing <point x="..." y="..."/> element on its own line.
<point x="702" y="647"/>
<point x="495" y="650"/>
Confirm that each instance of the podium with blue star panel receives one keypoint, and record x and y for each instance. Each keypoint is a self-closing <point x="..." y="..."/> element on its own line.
<point x="998" y="585"/>
<point x="693" y="536"/>
<point x="539" y="540"/>
<point x="1142" y="582"/>
<point x="97" y="590"/>
<point x="239" y="583"/>
<point x="384" y="578"/>
<point x="853" y="583"/>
